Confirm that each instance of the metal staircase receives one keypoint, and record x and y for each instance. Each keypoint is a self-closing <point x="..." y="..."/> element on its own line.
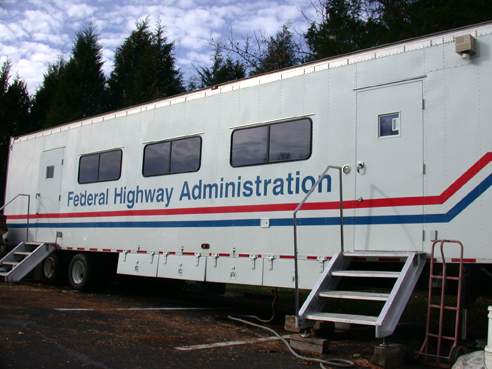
<point x="339" y="269"/>
<point x="22" y="259"/>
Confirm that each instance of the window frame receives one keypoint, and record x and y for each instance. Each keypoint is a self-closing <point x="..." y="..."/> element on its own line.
<point x="268" y="125"/>
<point x="99" y="166"/>
<point x="171" y="155"/>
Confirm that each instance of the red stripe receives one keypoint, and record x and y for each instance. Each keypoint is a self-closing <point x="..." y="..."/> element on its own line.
<point x="464" y="260"/>
<point x="286" y="256"/>
<point x="367" y="203"/>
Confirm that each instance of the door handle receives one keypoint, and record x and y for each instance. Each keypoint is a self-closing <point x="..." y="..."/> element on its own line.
<point x="360" y="166"/>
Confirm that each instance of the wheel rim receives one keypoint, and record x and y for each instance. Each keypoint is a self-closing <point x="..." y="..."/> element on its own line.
<point x="49" y="267"/>
<point x="78" y="272"/>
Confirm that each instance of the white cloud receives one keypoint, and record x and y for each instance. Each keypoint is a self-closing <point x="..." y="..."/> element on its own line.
<point x="33" y="33"/>
<point x="11" y="32"/>
<point x="78" y="11"/>
<point x="40" y="21"/>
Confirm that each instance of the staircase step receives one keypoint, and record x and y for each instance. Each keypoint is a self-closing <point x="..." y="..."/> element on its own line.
<point x="23" y="253"/>
<point x="355" y="295"/>
<point x="386" y="320"/>
<point x="365" y="274"/>
<point x="13" y="263"/>
<point x="343" y="318"/>
<point x="34" y="253"/>
<point x="376" y="254"/>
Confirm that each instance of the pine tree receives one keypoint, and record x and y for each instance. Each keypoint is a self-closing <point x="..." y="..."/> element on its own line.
<point x="15" y="103"/>
<point x="144" y="68"/>
<point x="44" y="96"/>
<point x="279" y="52"/>
<point x="342" y="29"/>
<point x="223" y="70"/>
<point x="81" y="88"/>
<point x="261" y="53"/>
<point x="349" y="25"/>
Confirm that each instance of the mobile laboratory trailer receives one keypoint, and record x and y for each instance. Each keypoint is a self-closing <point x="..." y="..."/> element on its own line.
<point x="203" y="186"/>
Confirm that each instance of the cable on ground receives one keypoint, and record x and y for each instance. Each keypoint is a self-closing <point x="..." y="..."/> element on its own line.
<point x="339" y="363"/>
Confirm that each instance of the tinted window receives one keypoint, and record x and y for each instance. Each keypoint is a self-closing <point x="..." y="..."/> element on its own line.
<point x="176" y="156"/>
<point x="109" y="165"/>
<point x="249" y="146"/>
<point x="50" y="172"/>
<point x="389" y="125"/>
<point x="275" y="142"/>
<point x="156" y="159"/>
<point x="88" y="168"/>
<point x="185" y="155"/>
<point x="290" y="141"/>
<point x="100" y="167"/>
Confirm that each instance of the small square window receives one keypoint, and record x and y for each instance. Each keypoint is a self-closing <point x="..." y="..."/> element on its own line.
<point x="50" y="172"/>
<point x="389" y="125"/>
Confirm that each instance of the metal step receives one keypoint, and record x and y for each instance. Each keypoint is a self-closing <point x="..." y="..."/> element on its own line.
<point x="355" y="295"/>
<point x="24" y="258"/>
<point x="377" y="254"/>
<point x="13" y="263"/>
<point x="344" y="318"/>
<point x="394" y="302"/>
<point x="365" y="274"/>
<point x="22" y="253"/>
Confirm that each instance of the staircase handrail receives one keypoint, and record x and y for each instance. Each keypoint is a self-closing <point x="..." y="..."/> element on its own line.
<point x="296" y="273"/>
<point x="28" y="210"/>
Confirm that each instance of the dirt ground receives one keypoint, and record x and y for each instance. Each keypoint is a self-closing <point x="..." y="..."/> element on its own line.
<point x="125" y="326"/>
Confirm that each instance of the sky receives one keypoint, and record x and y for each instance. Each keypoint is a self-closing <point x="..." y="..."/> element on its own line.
<point x="34" y="33"/>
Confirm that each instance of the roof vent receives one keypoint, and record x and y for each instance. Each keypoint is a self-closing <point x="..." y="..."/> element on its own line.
<point x="465" y="46"/>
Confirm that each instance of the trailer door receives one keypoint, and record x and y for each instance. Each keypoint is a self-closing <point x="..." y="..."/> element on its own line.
<point x="48" y="195"/>
<point x="389" y="171"/>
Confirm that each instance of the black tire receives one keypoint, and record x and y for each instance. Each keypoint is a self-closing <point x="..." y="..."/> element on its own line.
<point x="55" y="268"/>
<point x="83" y="272"/>
<point x="456" y="352"/>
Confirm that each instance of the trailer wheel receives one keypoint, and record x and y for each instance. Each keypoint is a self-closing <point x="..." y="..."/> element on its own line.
<point x="82" y="272"/>
<point x="55" y="268"/>
<point x="456" y="352"/>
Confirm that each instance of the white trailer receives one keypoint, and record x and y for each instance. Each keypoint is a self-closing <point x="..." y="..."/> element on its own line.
<point x="202" y="186"/>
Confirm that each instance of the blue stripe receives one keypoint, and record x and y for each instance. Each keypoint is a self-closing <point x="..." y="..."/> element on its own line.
<point x="282" y="222"/>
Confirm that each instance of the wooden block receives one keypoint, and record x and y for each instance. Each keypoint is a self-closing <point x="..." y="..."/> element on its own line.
<point x="311" y="344"/>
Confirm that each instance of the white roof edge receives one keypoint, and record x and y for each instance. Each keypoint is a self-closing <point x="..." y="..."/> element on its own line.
<point x="421" y="42"/>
